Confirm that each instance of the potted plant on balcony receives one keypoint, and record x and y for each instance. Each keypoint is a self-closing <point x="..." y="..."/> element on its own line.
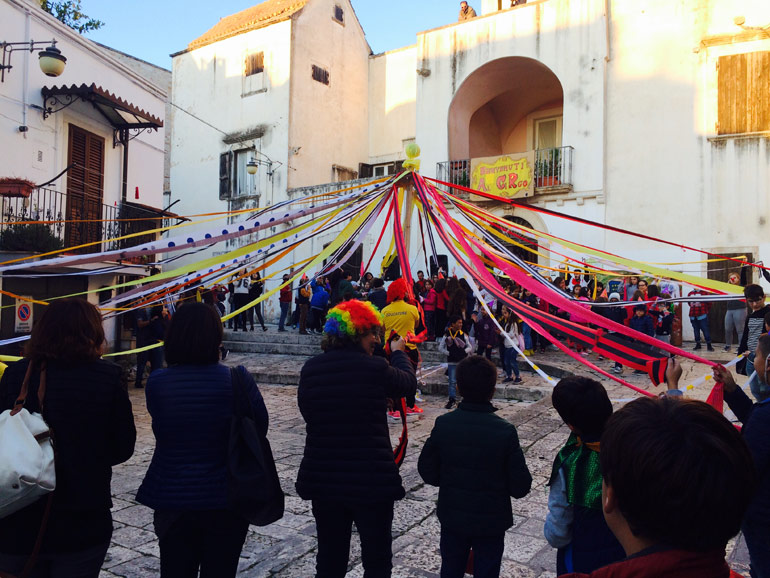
<point x="15" y="187"/>
<point x="548" y="169"/>
<point x="32" y="238"/>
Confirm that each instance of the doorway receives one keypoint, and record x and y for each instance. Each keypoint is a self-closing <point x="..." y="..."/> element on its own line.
<point x="720" y="271"/>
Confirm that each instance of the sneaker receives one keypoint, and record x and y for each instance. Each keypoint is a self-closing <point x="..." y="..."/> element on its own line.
<point x="508" y="380"/>
<point x="415" y="409"/>
<point x="264" y="329"/>
<point x="585" y="353"/>
<point x="450" y="403"/>
<point x="518" y="380"/>
<point x="639" y="372"/>
<point x="617" y="370"/>
<point x="709" y="347"/>
<point x="727" y="348"/>
<point x="418" y="393"/>
<point x="697" y="347"/>
<point x="394" y="415"/>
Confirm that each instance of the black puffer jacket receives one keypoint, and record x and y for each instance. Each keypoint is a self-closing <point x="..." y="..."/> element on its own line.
<point x="348" y="455"/>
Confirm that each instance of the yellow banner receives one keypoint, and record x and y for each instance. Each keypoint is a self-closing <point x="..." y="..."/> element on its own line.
<point x="508" y="176"/>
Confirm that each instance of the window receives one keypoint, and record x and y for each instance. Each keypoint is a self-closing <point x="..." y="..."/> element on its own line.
<point x="255" y="63"/>
<point x="343" y="174"/>
<point x="548" y="133"/>
<point x="85" y="187"/>
<point x="234" y="179"/>
<point x="320" y="75"/>
<point x="339" y="14"/>
<point x="744" y="83"/>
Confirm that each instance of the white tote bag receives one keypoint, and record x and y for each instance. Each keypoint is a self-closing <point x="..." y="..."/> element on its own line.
<point x="26" y="454"/>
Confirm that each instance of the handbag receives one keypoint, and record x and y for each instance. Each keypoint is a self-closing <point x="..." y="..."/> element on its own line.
<point x="253" y="488"/>
<point x="26" y="452"/>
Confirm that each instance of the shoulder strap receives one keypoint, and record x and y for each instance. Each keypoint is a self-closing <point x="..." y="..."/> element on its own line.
<point x="22" y="399"/>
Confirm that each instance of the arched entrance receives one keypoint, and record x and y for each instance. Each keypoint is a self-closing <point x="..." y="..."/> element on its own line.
<point x="509" y="105"/>
<point x="522" y="239"/>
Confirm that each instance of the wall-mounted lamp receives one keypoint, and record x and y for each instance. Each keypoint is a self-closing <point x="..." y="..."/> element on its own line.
<point x="251" y="167"/>
<point x="50" y="59"/>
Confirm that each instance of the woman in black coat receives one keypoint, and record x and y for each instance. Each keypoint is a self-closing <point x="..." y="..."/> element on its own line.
<point x="90" y="415"/>
<point x="348" y="469"/>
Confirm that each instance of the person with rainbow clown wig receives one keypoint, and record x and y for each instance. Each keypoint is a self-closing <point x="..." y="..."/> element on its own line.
<point x="348" y="469"/>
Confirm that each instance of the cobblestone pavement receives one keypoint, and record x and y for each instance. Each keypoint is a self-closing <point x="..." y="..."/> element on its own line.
<point x="288" y="547"/>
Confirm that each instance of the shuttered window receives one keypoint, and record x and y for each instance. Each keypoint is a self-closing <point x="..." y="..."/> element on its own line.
<point x="320" y="74"/>
<point x="744" y="86"/>
<point x="339" y="14"/>
<point x="225" y="175"/>
<point x="255" y="63"/>
<point x="85" y="187"/>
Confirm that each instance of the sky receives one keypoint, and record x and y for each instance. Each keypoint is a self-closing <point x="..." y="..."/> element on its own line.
<point x="154" y="29"/>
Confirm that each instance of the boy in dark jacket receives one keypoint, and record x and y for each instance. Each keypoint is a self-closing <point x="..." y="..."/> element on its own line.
<point x="457" y="346"/>
<point x="475" y="459"/>
<point x="575" y="524"/>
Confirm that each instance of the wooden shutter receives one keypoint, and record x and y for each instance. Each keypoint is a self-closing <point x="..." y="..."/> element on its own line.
<point x="85" y="188"/>
<point x="365" y="171"/>
<point x="744" y="86"/>
<point x="225" y="175"/>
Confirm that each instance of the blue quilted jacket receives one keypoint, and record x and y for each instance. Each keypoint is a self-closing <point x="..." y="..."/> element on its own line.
<point x="191" y="406"/>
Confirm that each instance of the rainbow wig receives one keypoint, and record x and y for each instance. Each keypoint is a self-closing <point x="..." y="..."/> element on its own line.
<point x="351" y="318"/>
<point x="397" y="290"/>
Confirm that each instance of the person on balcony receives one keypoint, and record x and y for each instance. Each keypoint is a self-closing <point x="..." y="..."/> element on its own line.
<point x="466" y="12"/>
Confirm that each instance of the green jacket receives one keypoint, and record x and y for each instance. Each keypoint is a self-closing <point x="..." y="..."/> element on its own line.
<point x="474" y="457"/>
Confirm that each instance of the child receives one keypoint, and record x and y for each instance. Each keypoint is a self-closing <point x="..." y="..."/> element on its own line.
<point x="457" y="346"/>
<point x="575" y="524"/>
<point x="486" y="334"/>
<point x="618" y="315"/>
<point x="475" y="458"/>
<point x="752" y="329"/>
<point x="642" y="323"/>
<point x="699" y="317"/>
<point x="510" y="365"/>
<point x="656" y="455"/>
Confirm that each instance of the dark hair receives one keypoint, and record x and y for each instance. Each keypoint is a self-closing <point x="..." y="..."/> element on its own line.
<point x="194" y="335"/>
<point x="680" y="471"/>
<point x="457" y="304"/>
<point x="440" y="285"/>
<point x="643" y="281"/>
<point x="454" y="319"/>
<point x="465" y="287"/>
<point x="476" y="378"/>
<point x="763" y="344"/>
<point x="640" y="307"/>
<point x="69" y="331"/>
<point x="378" y="282"/>
<point x="583" y="292"/>
<point x="653" y="291"/>
<point x="452" y="285"/>
<point x="637" y="294"/>
<point x="753" y="292"/>
<point x="582" y="403"/>
<point x="558" y="280"/>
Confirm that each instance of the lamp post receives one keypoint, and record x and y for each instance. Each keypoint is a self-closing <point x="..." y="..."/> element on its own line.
<point x="51" y="61"/>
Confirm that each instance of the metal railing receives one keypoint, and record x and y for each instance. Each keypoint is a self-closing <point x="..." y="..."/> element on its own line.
<point x="69" y="220"/>
<point x="553" y="168"/>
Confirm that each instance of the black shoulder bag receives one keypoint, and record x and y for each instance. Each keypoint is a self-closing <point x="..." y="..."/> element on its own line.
<point x="253" y="488"/>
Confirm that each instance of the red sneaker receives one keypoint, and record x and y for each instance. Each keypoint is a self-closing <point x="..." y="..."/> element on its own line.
<point x="414" y="409"/>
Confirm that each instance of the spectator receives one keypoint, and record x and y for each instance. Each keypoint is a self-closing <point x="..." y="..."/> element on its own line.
<point x="465" y="447"/>
<point x="303" y="303"/>
<point x="345" y="290"/>
<point x="575" y="524"/>
<point x="510" y="364"/>
<point x="240" y="299"/>
<point x="378" y="296"/>
<point x="318" y="304"/>
<point x="655" y="455"/>
<point x="348" y="470"/>
<point x="442" y="299"/>
<point x="429" y="309"/>
<point x="191" y="403"/>
<point x="735" y="316"/>
<point x="699" y="313"/>
<point x="147" y="334"/>
<point x="419" y="285"/>
<point x="752" y="329"/>
<point x="466" y="12"/>
<point x="486" y="335"/>
<point x="256" y="288"/>
<point x="457" y="346"/>
<point x="284" y="300"/>
<point x="90" y="416"/>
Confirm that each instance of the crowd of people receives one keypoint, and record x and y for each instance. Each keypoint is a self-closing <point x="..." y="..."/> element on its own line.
<point x="656" y="488"/>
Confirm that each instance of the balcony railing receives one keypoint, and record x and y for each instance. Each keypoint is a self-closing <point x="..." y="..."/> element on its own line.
<point x="69" y="220"/>
<point x="553" y="169"/>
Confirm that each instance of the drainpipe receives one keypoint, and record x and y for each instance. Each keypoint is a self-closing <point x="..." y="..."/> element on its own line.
<point x="25" y="83"/>
<point x="607" y="59"/>
<point x="124" y="142"/>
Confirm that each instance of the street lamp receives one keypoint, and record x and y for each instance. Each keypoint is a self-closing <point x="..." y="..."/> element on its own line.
<point x="50" y="59"/>
<point x="251" y="167"/>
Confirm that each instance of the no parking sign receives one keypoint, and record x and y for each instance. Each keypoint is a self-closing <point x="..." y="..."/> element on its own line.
<point x="23" y="315"/>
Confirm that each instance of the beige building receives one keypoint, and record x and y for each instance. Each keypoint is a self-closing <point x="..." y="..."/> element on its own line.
<point x="651" y="116"/>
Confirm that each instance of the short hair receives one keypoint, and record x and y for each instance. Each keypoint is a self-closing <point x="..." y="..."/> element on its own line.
<point x="194" y="335"/>
<point x="476" y="378"/>
<point x="753" y="292"/>
<point x="763" y="344"/>
<point x="68" y="331"/>
<point x="582" y="403"/>
<point x="378" y="282"/>
<point x="640" y="307"/>
<point x="583" y="292"/>
<point x="681" y="472"/>
<point x="453" y="319"/>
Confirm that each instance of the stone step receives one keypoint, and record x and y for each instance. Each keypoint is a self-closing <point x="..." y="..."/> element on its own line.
<point x="291" y="336"/>
<point x="302" y="346"/>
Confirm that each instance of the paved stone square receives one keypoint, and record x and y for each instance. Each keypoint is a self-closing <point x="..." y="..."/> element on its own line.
<point x="288" y="547"/>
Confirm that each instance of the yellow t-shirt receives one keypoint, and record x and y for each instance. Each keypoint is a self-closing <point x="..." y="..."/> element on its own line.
<point x="402" y="318"/>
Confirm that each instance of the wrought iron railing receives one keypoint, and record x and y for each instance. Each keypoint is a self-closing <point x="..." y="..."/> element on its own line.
<point x="553" y="168"/>
<point x="48" y="220"/>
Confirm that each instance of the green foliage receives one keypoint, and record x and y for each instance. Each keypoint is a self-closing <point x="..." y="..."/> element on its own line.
<point x="32" y="238"/>
<point x="70" y="12"/>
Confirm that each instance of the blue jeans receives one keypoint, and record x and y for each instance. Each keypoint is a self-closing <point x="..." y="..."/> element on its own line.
<point x="284" y="314"/>
<point x="527" y="333"/>
<point x="759" y="390"/>
<point x="487" y="554"/>
<point x="509" y="362"/>
<point x="452" y="373"/>
<point x="701" y="324"/>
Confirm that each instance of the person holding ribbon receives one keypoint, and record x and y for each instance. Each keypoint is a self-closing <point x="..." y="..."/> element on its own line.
<point x="348" y="469"/>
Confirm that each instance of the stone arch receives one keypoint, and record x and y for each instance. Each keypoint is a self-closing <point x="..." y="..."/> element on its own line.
<point x="490" y="112"/>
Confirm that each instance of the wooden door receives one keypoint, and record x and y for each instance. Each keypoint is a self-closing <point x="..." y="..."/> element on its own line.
<point x="720" y="271"/>
<point x="85" y="188"/>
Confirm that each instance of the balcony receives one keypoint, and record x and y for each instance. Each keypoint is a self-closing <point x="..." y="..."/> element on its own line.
<point x="552" y="171"/>
<point x="71" y="220"/>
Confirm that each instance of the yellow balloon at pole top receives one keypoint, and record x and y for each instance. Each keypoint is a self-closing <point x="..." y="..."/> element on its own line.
<point x="412" y="150"/>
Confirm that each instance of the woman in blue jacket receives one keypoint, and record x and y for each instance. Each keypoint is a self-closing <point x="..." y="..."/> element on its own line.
<point x="191" y="403"/>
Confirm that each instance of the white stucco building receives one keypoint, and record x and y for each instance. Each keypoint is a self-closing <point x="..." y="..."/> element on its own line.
<point x="654" y="116"/>
<point x="91" y="144"/>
